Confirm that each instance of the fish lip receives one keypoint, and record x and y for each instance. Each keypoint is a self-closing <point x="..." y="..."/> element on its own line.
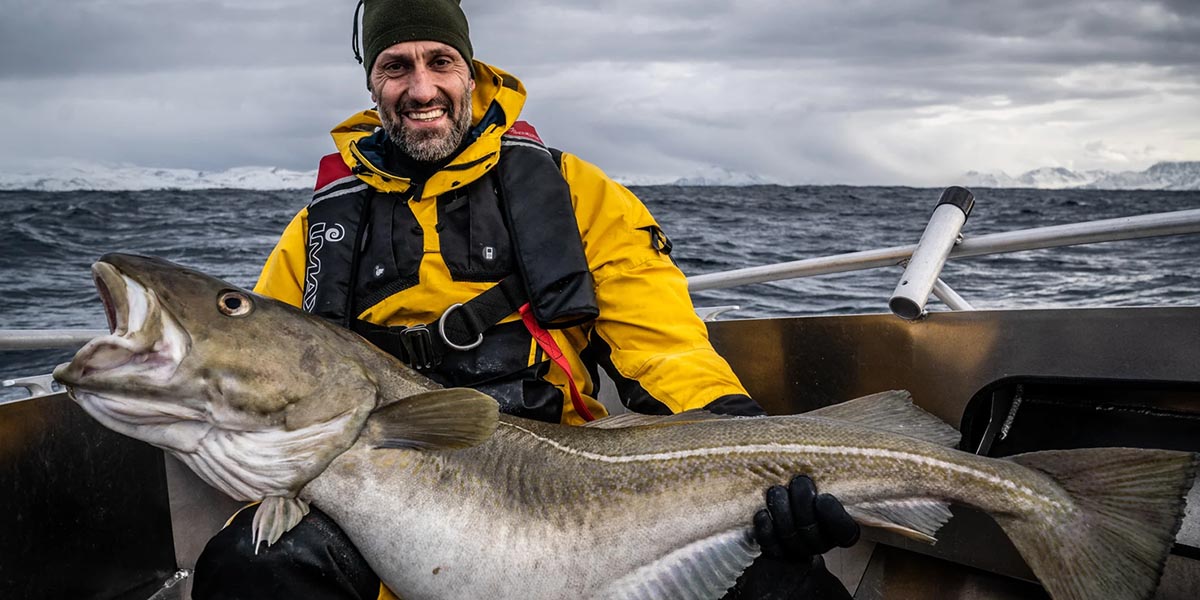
<point x="110" y="285"/>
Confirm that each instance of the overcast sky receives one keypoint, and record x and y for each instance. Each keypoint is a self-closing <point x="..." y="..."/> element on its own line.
<point x="803" y="91"/>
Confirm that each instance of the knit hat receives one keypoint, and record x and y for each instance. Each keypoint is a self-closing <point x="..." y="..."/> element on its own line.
<point x="389" y="22"/>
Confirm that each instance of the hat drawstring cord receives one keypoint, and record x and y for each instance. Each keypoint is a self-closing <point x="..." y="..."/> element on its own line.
<point x="354" y="38"/>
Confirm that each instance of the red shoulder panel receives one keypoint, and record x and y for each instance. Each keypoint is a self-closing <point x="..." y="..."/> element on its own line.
<point x="332" y="169"/>
<point x="523" y="130"/>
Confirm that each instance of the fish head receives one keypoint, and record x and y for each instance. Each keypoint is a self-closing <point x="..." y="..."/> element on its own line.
<point x="217" y="374"/>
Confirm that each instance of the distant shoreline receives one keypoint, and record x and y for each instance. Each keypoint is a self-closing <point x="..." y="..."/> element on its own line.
<point x="1162" y="176"/>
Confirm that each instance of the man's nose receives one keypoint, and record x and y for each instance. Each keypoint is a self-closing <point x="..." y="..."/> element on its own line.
<point x="421" y="88"/>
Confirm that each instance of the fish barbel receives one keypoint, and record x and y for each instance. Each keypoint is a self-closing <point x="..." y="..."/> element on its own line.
<point x="447" y="498"/>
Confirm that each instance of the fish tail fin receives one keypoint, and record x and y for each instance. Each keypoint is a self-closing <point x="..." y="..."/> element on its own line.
<point x="1113" y="541"/>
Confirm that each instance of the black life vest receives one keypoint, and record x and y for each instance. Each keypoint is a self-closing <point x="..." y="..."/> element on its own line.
<point x="518" y="216"/>
<point x="364" y="246"/>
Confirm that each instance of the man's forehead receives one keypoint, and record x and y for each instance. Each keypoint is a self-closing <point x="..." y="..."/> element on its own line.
<point x="417" y="48"/>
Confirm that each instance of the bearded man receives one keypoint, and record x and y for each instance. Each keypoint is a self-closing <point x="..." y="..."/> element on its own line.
<point x="447" y="233"/>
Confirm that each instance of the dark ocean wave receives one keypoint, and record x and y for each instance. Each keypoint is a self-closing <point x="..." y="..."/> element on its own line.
<point x="50" y="240"/>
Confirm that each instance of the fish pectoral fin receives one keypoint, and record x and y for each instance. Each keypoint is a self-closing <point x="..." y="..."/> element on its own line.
<point x="632" y="419"/>
<point x="440" y="420"/>
<point x="702" y="570"/>
<point x="915" y="518"/>
<point x="275" y="516"/>
<point x="893" y="412"/>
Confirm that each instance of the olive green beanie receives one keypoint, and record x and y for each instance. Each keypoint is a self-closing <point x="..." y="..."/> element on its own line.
<point x="389" y="22"/>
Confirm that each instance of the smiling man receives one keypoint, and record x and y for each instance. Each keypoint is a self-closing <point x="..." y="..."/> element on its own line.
<point x="447" y="233"/>
<point x="423" y="91"/>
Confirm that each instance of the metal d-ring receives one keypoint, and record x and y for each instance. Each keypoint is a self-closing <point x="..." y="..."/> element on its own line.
<point x="442" y="331"/>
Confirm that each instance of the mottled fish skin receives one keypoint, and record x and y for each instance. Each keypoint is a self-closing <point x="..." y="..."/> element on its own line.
<point x="541" y="500"/>
<point x="448" y="499"/>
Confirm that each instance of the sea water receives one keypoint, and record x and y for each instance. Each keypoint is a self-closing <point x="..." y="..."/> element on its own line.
<point x="49" y="240"/>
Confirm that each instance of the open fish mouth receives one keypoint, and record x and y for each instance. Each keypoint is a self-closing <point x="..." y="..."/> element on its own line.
<point x="113" y="289"/>
<point x="145" y="341"/>
<point x="106" y="297"/>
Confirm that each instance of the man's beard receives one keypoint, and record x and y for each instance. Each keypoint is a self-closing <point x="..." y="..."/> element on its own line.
<point x="429" y="146"/>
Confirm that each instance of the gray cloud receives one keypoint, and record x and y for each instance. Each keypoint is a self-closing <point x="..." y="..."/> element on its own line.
<point x="40" y="39"/>
<point x="912" y="91"/>
<point x="876" y="33"/>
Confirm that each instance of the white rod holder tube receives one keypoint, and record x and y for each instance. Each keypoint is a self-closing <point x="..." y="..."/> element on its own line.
<point x="911" y="294"/>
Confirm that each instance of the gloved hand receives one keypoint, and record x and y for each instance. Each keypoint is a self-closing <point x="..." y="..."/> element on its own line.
<point x="798" y="523"/>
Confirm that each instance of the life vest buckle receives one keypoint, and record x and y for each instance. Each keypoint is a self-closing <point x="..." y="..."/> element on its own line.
<point x="417" y="342"/>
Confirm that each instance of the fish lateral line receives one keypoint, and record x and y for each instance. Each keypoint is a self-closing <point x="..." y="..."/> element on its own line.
<point x="792" y="449"/>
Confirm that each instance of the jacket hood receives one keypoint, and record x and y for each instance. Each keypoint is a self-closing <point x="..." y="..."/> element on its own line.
<point x="496" y="104"/>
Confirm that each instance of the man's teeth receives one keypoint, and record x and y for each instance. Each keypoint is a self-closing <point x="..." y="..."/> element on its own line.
<point x="427" y="115"/>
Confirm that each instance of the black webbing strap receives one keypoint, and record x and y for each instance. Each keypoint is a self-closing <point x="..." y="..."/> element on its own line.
<point x="461" y="327"/>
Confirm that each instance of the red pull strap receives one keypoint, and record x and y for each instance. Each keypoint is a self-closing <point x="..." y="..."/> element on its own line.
<point x="546" y="342"/>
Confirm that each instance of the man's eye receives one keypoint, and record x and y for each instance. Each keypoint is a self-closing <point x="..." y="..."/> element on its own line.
<point x="393" y="68"/>
<point x="442" y="62"/>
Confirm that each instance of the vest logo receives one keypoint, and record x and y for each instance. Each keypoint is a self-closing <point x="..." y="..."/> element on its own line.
<point x="335" y="234"/>
<point x="318" y="234"/>
<point x="316" y="241"/>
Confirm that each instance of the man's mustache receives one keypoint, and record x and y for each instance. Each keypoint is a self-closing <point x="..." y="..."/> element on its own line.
<point x="442" y="102"/>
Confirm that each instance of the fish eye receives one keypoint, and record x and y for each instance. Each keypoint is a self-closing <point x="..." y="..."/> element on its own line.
<point x="235" y="304"/>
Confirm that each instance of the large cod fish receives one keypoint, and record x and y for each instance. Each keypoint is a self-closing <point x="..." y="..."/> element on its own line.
<point x="446" y="498"/>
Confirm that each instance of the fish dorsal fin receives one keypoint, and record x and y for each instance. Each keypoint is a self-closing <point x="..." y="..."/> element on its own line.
<point x="438" y="420"/>
<point x="894" y="412"/>
<point x="916" y="518"/>
<point x="702" y="570"/>
<point x="631" y="419"/>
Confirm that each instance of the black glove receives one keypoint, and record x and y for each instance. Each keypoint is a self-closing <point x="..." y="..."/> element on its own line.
<point x="314" y="560"/>
<point x="798" y="523"/>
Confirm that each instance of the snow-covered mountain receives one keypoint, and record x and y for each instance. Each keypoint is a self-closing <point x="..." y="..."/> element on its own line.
<point x="643" y="180"/>
<point x="82" y="176"/>
<point x="68" y="177"/>
<point x="712" y="176"/>
<point x="1175" y="176"/>
<point x="722" y="176"/>
<point x="1161" y="176"/>
<point x="65" y="177"/>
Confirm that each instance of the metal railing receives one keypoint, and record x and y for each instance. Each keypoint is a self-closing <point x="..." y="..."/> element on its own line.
<point x="47" y="339"/>
<point x="1107" y="230"/>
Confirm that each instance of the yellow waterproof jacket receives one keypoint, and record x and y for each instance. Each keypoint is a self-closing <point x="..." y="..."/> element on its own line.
<point x="647" y="328"/>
